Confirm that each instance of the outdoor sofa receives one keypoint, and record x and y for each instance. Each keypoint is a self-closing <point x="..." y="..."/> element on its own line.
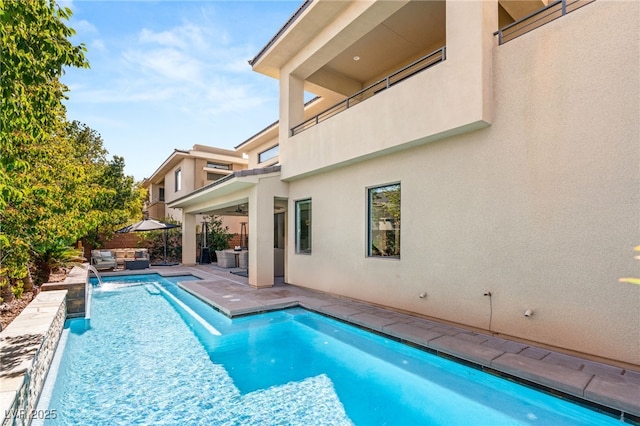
<point x="127" y="258"/>
<point x="103" y="259"/>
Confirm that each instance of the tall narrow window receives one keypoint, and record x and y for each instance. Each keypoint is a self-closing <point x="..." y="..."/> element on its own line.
<point x="384" y="221"/>
<point x="178" y="176"/>
<point x="161" y="194"/>
<point x="303" y="226"/>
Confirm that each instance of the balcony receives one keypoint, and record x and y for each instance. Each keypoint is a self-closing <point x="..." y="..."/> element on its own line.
<point x="551" y="12"/>
<point x="412" y="69"/>
<point x="369" y="72"/>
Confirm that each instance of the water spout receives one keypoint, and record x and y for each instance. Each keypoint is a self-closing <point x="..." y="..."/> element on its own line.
<point x="87" y="292"/>
<point x="92" y="268"/>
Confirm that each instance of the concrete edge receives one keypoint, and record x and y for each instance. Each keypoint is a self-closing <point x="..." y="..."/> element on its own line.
<point x="36" y="320"/>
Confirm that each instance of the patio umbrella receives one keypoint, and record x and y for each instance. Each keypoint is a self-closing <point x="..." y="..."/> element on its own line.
<point x="151" y="225"/>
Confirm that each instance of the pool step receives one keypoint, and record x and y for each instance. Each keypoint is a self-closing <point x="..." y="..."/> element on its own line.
<point x="152" y="289"/>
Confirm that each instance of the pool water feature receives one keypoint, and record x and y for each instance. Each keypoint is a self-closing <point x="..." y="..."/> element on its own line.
<point x="149" y="356"/>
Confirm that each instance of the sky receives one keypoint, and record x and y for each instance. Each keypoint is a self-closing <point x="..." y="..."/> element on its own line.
<point x="166" y="75"/>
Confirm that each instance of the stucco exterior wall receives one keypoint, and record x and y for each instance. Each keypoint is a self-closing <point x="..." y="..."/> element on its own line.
<point x="541" y="209"/>
<point x="254" y="154"/>
<point x="187" y="167"/>
<point x="448" y="98"/>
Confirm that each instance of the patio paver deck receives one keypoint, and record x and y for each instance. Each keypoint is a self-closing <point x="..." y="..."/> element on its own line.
<point x="614" y="388"/>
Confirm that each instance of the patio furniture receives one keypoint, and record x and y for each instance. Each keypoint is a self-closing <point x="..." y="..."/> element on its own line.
<point x="226" y="259"/>
<point x="103" y="259"/>
<point x="132" y="264"/>
<point x="243" y="259"/>
<point x="120" y="257"/>
<point x="124" y="254"/>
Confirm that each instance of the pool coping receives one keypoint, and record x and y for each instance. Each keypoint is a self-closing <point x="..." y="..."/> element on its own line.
<point x="27" y="347"/>
<point x="603" y="387"/>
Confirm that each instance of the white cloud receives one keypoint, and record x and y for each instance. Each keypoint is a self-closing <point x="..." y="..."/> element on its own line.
<point x="169" y="64"/>
<point x="98" y="45"/>
<point x="185" y="37"/>
<point x="196" y="68"/>
<point x="124" y="93"/>
<point x="84" y="27"/>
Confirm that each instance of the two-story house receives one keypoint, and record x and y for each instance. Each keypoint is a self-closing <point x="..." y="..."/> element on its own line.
<point x="459" y="163"/>
<point x="185" y="171"/>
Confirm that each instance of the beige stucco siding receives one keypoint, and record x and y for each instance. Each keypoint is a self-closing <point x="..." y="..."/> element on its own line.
<point x="451" y="97"/>
<point x="542" y="208"/>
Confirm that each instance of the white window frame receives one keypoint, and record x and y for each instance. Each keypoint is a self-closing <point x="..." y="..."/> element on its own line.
<point x="271" y="153"/>
<point x="178" y="177"/>
<point x="309" y="225"/>
<point x="369" y="233"/>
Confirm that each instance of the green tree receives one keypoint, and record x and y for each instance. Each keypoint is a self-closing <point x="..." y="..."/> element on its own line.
<point x="55" y="182"/>
<point x="117" y="197"/>
<point x="34" y="50"/>
<point x="218" y="235"/>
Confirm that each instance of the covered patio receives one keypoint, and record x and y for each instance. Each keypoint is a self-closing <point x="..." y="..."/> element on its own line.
<point x="261" y="197"/>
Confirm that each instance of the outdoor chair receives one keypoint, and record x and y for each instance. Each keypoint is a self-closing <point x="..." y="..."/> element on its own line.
<point x="243" y="259"/>
<point x="226" y="259"/>
<point x="103" y="259"/>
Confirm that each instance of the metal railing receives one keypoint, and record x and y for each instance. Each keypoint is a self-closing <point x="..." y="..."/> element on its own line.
<point x="539" y="18"/>
<point x="383" y="84"/>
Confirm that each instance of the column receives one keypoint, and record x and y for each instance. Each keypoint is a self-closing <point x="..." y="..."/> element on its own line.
<point x="291" y="106"/>
<point x="261" y="237"/>
<point x="188" y="239"/>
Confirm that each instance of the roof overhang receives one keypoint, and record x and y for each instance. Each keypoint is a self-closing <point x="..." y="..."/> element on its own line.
<point x="158" y="176"/>
<point x="198" y="152"/>
<point x="206" y="198"/>
<point x="297" y="33"/>
<point x="268" y="133"/>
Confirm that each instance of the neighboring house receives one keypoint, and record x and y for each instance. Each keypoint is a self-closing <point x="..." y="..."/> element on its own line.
<point x="185" y="171"/>
<point x="452" y="176"/>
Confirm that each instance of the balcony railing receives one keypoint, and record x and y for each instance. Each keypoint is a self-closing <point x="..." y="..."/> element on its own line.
<point x="420" y="65"/>
<point x="539" y="18"/>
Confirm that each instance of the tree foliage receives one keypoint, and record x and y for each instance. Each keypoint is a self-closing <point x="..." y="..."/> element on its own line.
<point x="155" y="243"/>
<point x="51" y="171"/>
<point x="218" y="235"/>
<point x="116" y="197"/>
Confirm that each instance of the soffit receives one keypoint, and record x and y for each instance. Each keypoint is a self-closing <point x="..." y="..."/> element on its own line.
<point x="416" y="27"/>
<point x="203" y="153"/>
<point x="383" y="34"/>
<point x="238" y="181"/>
<point x="174" y="159"/>
<point x="518" y="9"/>
<point x="312" y="20"/>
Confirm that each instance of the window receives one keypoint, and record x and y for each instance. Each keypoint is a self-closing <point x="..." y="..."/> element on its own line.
<point x="219" y="166"/>
<point x="303" y="227"/>
<point x="268" y="154"/>
<point x="178" y="176"/>
<point x="161" y="194"/>
<point x="384" y="221"/>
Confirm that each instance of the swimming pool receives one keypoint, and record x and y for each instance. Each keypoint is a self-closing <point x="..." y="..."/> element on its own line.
<point x="154" y="354"/>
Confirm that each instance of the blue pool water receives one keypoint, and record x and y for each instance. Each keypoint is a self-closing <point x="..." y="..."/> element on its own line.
<point x="153" y="354"/>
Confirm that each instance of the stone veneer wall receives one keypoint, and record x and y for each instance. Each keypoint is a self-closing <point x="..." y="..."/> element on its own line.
<point x="75" y="284"/>
<point x="27" y="347"/>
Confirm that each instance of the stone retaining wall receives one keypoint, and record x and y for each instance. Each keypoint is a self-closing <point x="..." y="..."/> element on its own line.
<point x="27" y="347"/>
<point x="75" y="284"/>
